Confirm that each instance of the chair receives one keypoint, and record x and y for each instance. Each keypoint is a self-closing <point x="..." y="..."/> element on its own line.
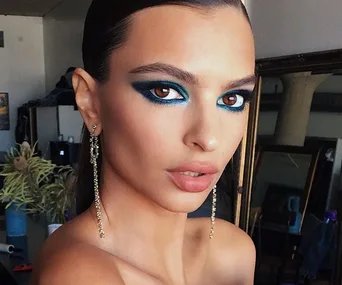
<point x="276" y="245"/>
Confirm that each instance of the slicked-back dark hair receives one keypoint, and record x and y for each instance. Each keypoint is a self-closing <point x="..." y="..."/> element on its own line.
<point x="105" y="29"/>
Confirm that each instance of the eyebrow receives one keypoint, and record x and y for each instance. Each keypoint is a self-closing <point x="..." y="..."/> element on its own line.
<point x="188" y="77"/>
<point x="248" y="80"/>
<point x="168" y="70"/>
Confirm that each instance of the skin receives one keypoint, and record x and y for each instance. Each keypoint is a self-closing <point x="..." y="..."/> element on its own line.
<point x="149" y="239"/>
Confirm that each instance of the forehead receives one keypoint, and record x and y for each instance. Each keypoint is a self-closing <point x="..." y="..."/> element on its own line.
<point x="203" y="41"/>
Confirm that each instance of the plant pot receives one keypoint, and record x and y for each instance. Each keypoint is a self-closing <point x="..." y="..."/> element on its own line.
<point x="53" y="227"/>
<point x="16" y="221"/>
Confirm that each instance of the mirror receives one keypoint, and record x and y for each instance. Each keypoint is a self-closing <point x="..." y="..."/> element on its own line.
<point x="283" y="181"/>
<point x="292" y="167"/>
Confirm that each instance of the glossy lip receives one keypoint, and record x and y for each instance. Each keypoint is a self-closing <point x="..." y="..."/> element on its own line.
<point x="193" y="184"/>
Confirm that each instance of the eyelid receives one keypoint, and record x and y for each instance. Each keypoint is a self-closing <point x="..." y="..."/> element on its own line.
<point x="247" y="94"/>
<point x="145" y="87"/>
<point x="163" y="83"/>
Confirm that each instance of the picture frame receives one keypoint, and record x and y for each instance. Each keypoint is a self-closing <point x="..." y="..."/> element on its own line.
<point x="4" y="112"/>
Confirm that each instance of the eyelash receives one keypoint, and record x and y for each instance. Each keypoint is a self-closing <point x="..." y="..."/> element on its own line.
<point x="244" y="94"/>
<point x="145" y="87"/>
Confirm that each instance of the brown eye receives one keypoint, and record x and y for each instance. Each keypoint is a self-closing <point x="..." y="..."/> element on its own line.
<point x="230" y="100"/>
<point x="162" y="92"/>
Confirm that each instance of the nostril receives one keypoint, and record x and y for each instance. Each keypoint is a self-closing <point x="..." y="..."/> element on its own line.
<point x="202" y="136"/>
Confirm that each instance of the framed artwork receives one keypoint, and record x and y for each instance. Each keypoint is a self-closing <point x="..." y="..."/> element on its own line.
<point x="4" y="112"/>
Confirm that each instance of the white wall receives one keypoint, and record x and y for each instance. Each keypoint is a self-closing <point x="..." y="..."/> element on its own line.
<point x="292" y="26"/>
<point x="22" y="71"/>
<point x="62" y="44"/>
<point x="63" y="32"/>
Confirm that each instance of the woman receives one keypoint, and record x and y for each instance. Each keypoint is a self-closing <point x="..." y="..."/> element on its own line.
<point x="162" y="94"/>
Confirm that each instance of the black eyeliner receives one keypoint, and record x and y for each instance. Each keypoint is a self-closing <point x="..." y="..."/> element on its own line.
<point x="246" y="94"/>
<point x="144" y="87"/>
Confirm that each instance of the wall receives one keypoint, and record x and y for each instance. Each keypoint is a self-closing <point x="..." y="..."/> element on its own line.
<point x="62" y="44"/>
<point x="292" y="26"/>
<point x="63" y="32"/>
<point x="22" y="71"/>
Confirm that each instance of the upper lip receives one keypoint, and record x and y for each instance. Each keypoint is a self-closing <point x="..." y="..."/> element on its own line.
<point x="196" y="167"/>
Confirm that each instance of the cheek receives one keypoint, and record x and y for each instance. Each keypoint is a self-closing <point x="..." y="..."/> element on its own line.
<point x="233" y="134"/>
<point x="136" y="130"/>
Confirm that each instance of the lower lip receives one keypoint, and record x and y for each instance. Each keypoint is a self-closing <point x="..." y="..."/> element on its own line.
<point x="191" y="184"/>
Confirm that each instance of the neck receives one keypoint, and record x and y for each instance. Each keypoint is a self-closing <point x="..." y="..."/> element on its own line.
<point x="143" y="234"/>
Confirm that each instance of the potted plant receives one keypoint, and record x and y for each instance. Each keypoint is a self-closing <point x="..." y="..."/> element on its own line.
<point x="34" y="185"/>
<point x="56" y="199"/>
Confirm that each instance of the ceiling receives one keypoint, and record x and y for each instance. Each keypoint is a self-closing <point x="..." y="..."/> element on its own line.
<point x="28" y="7"/>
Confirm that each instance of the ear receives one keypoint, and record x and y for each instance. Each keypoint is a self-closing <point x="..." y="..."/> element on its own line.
<point x="86" y="92"/>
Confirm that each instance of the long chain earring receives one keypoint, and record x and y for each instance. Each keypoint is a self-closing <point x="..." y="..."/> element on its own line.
<point x="94" y="154"/>
<point x="213" y="213"/>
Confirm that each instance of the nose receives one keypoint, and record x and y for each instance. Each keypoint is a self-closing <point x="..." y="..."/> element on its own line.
<point x="203" y="129"/>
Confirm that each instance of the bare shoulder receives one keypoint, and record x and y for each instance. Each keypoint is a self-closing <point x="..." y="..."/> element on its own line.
<point x="231" y="258"/>
<point x="65" y="260"/>
<point x="230" y="237"/>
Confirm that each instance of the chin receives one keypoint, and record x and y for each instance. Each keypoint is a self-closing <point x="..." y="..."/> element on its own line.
<point x="184" y="202"/>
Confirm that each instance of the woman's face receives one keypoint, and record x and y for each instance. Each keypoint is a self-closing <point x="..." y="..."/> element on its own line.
<point x="173" y="110"/>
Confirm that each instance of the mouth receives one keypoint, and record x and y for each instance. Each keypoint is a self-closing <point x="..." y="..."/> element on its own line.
<point x="192" y="174"/>
<point x="193" y="177"/>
